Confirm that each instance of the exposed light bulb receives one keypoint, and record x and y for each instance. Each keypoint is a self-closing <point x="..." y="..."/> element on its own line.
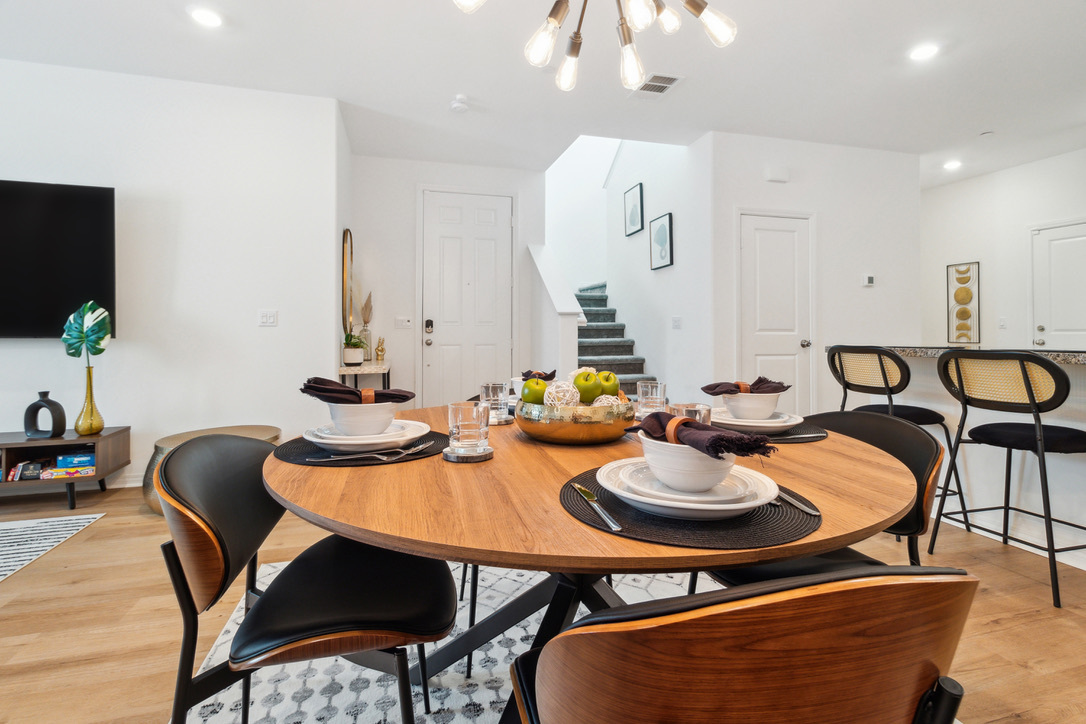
<point x="469" y="6"/>
<point x="566" y="78"/>
<point x="952" y="165"/>
<point x="668" y="18"/>
<point x="540" y="46"/>
<point x="205" y="16"/>
<point x="719" y="27"/>
<point x="927" y="51"/>
<point x="640" y="14"/>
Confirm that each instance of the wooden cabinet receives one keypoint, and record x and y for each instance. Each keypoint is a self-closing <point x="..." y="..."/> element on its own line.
<point x="110" y="448"/>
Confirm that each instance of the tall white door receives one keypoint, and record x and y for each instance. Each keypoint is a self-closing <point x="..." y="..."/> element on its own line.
<point x="775" y="305"/>
<point x="1059" y="297"/>
<point x="467" y="298"/>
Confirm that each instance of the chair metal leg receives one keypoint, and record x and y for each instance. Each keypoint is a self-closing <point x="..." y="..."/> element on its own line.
<point x="403" y="683"/>
<point x="471" y="608"/>
<point x="246" y="689"/>
<point x="913" y="545"/>
<point x="1007" y="496"/>
<point x="692" y="586"/>
<point x="1050" y="539"/>
<point x="463" y="579"/>
<point x="425" y="681"/>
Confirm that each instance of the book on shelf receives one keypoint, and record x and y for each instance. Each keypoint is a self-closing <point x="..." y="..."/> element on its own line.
<point x="56" y="473"/>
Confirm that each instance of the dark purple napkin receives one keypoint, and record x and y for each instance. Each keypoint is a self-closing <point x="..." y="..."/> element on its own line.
<point x="533" y="374"/>
<point x="760" y="386"/>
<point x="713" y="441"/>
<point x="327" y="390"/>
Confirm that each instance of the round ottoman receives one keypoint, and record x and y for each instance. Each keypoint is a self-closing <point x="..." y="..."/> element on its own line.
<point x="164" y="445"/>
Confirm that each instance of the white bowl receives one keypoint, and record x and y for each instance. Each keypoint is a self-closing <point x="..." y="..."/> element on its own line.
<point x="751" y="405"/>
<point x="362" y="419"/>
<point x="681" y="467"/>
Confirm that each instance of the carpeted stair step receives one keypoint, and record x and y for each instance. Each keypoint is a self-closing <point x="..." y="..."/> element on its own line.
<point x="591" y="300"/>
<point x="599" y="314"/>
<point x="602" y="330"/>
<point x="619" y="364"/>
<point x="597" y="347"/>
<point x="600" y="288"/>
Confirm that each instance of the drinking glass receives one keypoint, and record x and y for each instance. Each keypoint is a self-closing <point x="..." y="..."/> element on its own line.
<point x="651" y="397"/>
<point x="694" y="410"/>
<point x="469" y="426"/>
<point x="496" y="396"/>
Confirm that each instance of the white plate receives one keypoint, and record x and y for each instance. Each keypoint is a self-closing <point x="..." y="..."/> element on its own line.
<point x="777" y="422"/>
<point x="398" y="434"/>
<point x="765" y="490"/>
<point x="639" y="479"/>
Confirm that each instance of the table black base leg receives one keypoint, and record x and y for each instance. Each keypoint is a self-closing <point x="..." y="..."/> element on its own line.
<point x="71" y="495"/>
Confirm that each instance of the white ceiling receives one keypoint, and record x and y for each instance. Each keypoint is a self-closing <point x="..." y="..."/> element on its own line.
<point x="830" y="71"/>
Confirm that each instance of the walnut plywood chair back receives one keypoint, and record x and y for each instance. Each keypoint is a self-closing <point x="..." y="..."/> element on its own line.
<point x="854" y="647"/>
<point x="217" y="508"/>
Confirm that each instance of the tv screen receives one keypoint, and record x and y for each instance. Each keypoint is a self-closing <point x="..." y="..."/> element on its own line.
<point x="56" y="252"/>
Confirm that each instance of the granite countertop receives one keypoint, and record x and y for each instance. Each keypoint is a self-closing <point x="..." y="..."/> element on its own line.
<point x="1063" y="357"/>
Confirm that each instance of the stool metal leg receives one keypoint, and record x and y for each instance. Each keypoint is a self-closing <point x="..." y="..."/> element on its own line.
<point x="1048" y="531"/>
<point x="1007" y="497"/>
<point x="946" y="484"/>
<point x="957" y="480"/>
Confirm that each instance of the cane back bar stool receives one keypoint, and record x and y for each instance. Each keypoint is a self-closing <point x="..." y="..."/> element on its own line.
<point x="1022" y="382"/>
<point x="881" y="371"/>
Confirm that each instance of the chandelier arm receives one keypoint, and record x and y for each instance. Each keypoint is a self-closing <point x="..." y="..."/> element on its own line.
<point x="580" y="20"/>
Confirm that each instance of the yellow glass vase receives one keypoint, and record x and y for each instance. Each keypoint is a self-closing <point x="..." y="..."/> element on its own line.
<point x="90" y="421"/>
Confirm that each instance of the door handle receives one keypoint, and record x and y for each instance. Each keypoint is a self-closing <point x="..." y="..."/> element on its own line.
<point x="805" y="343"/>
<point x="1039" y="342"/>
<point x="428" y="342"/>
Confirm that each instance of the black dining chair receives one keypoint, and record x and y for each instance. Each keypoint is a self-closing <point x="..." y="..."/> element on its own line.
<point x="338" y="598"/>
<point x="868" y="645"/>
<point x="1014" y="382"/>
<point x="881" y="371"/>
<point x="913" y="447"/>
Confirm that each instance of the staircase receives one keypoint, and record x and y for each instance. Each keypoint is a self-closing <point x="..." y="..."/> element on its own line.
<point x="603" y="344"/>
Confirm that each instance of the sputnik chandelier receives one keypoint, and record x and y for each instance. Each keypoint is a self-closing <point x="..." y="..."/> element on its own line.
<point x="638" y="15"/>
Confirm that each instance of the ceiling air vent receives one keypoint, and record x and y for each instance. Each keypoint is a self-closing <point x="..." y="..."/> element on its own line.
<point x="655" y="86"/>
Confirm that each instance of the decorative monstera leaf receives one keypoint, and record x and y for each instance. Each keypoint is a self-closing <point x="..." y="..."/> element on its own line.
<point x="88" y="328"/>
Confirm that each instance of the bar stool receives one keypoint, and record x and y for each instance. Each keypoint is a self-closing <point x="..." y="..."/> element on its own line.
<point x="1021" y="382"/>
<point x="881" y="371"/>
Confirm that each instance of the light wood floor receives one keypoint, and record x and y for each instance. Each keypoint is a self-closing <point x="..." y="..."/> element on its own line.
<point x="90" y="631"/>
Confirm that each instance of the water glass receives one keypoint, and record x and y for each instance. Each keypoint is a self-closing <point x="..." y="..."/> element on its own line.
<point x="694" y="410"/>
<point x="651" y="397"/>
<point x="496" y="396"/>
<point x="469" y="426"/>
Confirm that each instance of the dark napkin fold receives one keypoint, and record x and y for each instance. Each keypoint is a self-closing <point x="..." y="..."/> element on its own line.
<point x="760" y="386"/>
<point x="535" y="374"/>
<point x="327" y="390"/>
<point x="713" y="441"/>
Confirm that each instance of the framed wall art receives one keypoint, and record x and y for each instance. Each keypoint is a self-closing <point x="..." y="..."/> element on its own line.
<point x="635" y="215"/>
<point x="963" y="303"/>
<point x="660" y="251"/>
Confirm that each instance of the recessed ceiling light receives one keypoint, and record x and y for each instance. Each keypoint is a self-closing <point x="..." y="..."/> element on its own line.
<point x="925" y="51"/>
<point x="952" y="165"/>
<point x="205" y="16"/>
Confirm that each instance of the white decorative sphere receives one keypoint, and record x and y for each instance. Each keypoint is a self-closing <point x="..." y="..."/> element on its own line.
<point x="562" y="394"/>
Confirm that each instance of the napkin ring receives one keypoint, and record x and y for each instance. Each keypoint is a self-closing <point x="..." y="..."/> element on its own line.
<point x="672" y="428"/>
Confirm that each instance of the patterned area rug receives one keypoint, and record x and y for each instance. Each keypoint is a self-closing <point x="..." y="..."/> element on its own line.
<point x="23" y="541"/>
<point x="335" y="691"/>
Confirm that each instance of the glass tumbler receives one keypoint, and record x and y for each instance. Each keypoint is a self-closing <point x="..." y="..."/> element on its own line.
<point x="469" y="426"/>
<point x="695" y="410"/>
<point x="496" y="396"/>
<point x="651" y="397"/>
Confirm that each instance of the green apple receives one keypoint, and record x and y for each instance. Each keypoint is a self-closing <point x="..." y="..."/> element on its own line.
<point x="589" y="385"/>
<point x="533" y="390"/>
<point x="609" y="380"/>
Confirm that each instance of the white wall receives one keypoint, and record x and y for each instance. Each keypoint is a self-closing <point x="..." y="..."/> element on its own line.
<point x="386" y="230"/>
<point x="226" y="204"/>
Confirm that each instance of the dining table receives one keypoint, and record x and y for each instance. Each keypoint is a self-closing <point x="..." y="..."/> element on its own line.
<point x="507" y="512"/>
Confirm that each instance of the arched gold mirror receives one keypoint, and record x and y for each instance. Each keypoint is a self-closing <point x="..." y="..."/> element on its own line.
<point x="348" y="270"/>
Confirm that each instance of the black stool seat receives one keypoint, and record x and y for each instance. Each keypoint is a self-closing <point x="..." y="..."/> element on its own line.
<point x="1023" y="436"/>
<point x="912" y="413"/>
<point x="329" y="589"/>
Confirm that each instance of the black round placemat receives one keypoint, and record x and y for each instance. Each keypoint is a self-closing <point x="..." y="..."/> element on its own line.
<point x="792" y="434"/>
<point x="298" y="450"/>
<point x="766" y="525"/>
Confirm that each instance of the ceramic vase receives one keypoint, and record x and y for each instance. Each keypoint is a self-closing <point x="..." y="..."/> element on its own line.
<point x="90" y="421"/>
<point x="367" y="351"/>
<point x="56" y="415"/>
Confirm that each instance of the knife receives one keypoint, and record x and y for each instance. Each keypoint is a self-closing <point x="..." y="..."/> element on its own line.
<point x="591" y="498"/>
<point x="805" y="508"/>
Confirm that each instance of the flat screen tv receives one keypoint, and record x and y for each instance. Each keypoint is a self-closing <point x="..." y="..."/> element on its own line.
<point x="56" y="252"/>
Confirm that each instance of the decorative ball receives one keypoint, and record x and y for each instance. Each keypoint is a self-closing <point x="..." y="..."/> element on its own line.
<point x="606" y="400"/>
<point x="562" y="394"/>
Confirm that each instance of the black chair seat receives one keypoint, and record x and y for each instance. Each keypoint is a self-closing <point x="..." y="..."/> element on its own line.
<point x="1023" y="436"/>
<point x="339" y="585"/>
<point x="915" y="415"/>
<point x="839" y="560"/>
<point x="524" y="668"/>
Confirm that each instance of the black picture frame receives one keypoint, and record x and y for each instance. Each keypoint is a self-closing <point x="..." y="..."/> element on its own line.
<point x="661" y="251"/>
<point x="634" y="210"/>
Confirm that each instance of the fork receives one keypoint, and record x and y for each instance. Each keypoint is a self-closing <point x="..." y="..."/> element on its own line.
<point x="384" y="455"/>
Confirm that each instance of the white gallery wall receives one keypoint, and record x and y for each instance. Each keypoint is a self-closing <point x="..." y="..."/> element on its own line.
<point x="387" y="236"/>
<point x="226" y="204"/>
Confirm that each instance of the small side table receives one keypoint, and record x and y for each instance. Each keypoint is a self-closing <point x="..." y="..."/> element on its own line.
<point x="355" y="370"/>
<point x="165" y="444"/>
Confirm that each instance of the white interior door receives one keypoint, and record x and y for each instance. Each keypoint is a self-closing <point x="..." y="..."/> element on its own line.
<point x="775" y="305"/>
<point x="1059" y="297"/>
<point x="467" y="298"/>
